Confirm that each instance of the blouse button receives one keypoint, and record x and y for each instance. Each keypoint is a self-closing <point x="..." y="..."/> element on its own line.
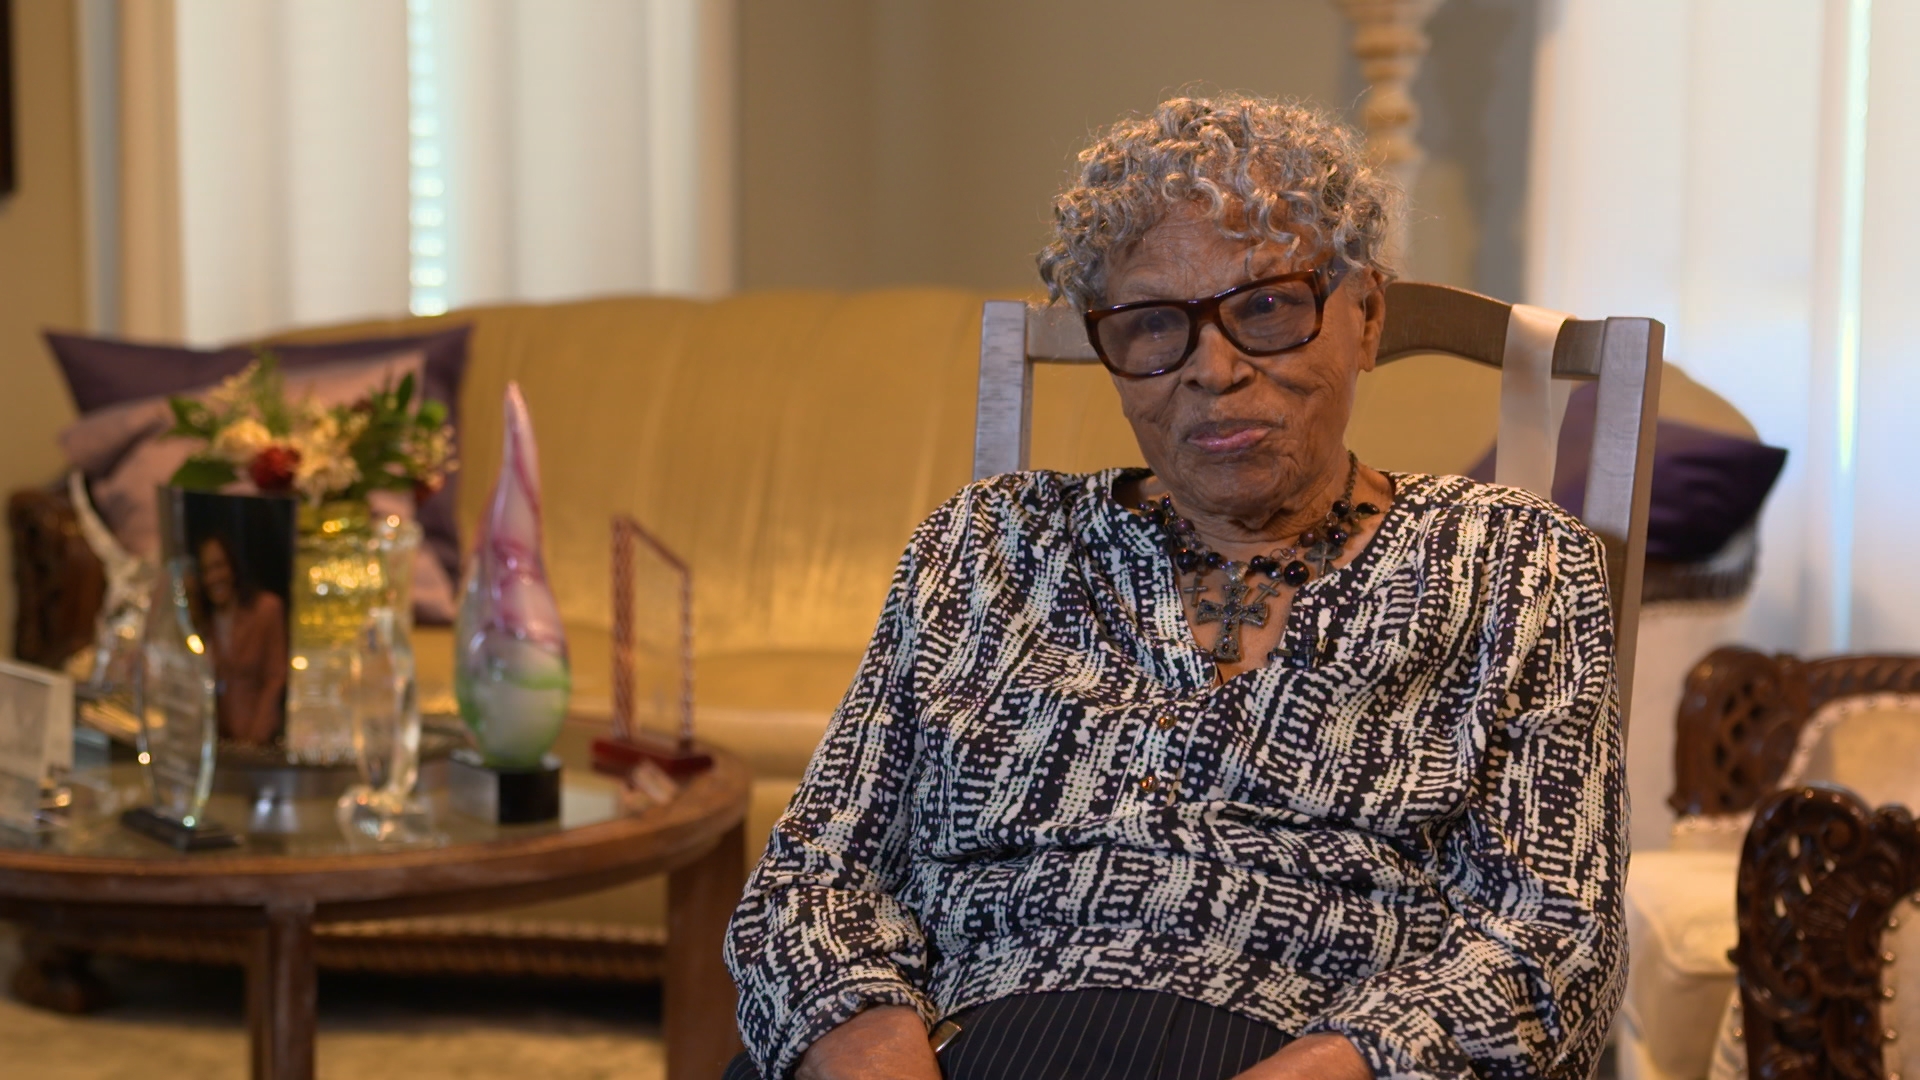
<point x="1165" y="722"/>
<point x="1148" y="783"/>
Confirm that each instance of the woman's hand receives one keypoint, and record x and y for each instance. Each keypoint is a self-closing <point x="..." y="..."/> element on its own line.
<point x="884" y="1043"/>
<point x="1316" y="1057"/>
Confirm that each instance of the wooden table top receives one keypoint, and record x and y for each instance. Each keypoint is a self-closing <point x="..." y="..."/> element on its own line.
<point x="480" y="865"/>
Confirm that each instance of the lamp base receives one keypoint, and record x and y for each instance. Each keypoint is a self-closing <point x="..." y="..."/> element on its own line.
<point x="616" y="756"/>
<point x="177" y="834"/>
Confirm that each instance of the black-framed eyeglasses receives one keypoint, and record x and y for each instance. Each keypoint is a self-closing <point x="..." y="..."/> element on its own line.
<point x="1261" y="318"/>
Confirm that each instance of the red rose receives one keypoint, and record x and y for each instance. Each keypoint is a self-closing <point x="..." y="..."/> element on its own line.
<point x="272" y="468"/>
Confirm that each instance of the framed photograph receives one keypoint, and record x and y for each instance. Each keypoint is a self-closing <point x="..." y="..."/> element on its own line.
<point x="240" y="592"/>
<point x="8" y="169"/>
<point x="36" y="737"/>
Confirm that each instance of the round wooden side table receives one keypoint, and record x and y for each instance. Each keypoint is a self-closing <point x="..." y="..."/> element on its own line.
<point x="94" y="873"/>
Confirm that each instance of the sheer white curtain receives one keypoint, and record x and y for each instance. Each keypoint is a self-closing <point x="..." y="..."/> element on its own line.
<point x="585" y="147"/>
<point x="293" y="162"/>
<point x="1735" y="169"/>
<point x="1692" y="162"/>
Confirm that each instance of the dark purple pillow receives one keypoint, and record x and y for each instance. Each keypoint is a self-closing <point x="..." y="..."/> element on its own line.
<point x="1706" y="486"/>
<point x="106" y="371"/>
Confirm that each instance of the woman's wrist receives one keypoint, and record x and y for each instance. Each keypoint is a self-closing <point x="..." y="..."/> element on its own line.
<point x="887" y="1042"/>
<point x="1326" y="1056"/>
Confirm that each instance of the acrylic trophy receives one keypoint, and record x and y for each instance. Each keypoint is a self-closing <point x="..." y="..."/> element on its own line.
<point x="174" y="701"/>
<point x="631" y="748"/>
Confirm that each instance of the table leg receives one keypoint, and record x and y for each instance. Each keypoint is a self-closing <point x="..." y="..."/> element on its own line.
<point x="282" y="996"/>
<point x="700" y="998"/>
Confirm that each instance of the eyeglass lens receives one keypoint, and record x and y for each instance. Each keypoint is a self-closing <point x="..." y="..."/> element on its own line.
<point x="1268" y="319"/>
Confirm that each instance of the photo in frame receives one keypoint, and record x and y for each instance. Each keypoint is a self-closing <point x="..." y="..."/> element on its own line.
<point x="36" y="738"/>
<point x="241" y="552"/>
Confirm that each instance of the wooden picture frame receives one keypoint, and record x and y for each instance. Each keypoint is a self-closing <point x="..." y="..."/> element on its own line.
<point x="8" y="170"/>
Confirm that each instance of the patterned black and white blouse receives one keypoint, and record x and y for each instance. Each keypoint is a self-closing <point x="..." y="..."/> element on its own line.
<point x="1411" y="829"/>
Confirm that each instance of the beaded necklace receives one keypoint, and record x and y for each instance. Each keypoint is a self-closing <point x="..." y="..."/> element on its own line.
<point x="1243" y="602"/>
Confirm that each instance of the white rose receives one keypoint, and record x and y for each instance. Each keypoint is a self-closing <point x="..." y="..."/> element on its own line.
<point x="239" y="441"/>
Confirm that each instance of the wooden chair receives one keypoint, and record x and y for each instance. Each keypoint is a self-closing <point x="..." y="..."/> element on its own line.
<point x="1821" y="874"/>
<point x="1531" y="347"/>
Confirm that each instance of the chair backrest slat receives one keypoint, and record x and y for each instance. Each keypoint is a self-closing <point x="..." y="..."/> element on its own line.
<point x="1622" y="353"/>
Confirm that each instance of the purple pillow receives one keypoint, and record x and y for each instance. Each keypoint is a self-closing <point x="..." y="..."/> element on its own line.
<point x="106" y="371"/>
<point x="1706" y="486"/>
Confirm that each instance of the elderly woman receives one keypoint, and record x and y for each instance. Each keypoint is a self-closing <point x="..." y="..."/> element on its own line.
<point x="1256" y="762"/>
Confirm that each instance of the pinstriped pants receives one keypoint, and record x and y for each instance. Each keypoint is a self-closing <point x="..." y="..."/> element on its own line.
<point x="1095" y="1035"/>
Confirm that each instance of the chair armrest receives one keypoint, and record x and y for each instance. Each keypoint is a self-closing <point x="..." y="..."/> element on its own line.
<point x="1819" y="877"/>
<point x="58" y="582"/>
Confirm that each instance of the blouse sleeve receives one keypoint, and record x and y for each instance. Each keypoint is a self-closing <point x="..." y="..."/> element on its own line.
<point x="1532" y="962"/>
<point x="821" y="933"/>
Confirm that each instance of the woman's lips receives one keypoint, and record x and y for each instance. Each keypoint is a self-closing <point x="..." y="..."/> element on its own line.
<point x="1227" y="436"/>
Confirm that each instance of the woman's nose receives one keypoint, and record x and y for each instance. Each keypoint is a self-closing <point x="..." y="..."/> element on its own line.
<point x="1215" y="366"/>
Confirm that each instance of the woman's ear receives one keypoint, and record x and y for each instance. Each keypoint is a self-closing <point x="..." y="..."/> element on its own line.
<point x="1373" y="312"/>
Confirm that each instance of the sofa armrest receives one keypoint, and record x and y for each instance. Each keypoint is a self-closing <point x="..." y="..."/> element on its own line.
<point x="58" y="582"/>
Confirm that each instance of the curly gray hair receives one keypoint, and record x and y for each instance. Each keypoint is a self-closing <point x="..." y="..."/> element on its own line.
<point x="1257" y="168"/>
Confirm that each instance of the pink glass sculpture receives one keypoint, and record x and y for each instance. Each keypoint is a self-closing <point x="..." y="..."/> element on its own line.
<point x="510" y="661"/>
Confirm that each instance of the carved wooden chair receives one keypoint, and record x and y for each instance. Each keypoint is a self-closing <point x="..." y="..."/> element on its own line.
<point x="1800" y="908"/>
<point x="1821" y="875"/>
<point x="1531" y="346"/>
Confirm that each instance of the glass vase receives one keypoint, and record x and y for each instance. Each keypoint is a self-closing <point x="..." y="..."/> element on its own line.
<point x="339" y="578"/>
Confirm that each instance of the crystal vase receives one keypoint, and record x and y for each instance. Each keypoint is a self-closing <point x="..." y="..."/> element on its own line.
<point x="338" y="579"/>
<point x="383" y="807"/>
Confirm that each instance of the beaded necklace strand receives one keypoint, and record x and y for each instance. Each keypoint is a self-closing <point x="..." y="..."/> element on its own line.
<point x="1243" y="602"/>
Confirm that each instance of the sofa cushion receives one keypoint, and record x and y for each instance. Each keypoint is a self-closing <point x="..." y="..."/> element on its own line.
<point x="1680" y="925"/>
<point x="1868" y="744"/>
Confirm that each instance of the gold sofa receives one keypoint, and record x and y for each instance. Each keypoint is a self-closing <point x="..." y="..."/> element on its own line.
<point x="786" y="443"/>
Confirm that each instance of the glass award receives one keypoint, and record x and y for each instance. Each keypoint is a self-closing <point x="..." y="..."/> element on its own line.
<point x="174" y="702"/>
<point x="383" y="807"/>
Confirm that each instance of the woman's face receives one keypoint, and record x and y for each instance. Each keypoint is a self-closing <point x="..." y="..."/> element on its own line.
<point x="1233" y="435"/>
<point x="216" y="574"/>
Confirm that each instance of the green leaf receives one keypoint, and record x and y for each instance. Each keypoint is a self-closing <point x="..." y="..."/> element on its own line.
<point x="204" y="474"/>
<point x="432" y="414"/>
<point x="191" y="418"/>
<point x="405" y="395"/>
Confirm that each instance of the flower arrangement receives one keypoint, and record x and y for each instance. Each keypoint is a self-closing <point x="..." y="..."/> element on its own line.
<point x="254" y="433"/>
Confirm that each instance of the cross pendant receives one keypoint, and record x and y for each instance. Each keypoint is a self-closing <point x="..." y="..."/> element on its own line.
<point x="1231" y="615"/>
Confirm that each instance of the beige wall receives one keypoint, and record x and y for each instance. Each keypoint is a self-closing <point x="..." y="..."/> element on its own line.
<point x="920" y="141"/>
<point x="41" y="277"/>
